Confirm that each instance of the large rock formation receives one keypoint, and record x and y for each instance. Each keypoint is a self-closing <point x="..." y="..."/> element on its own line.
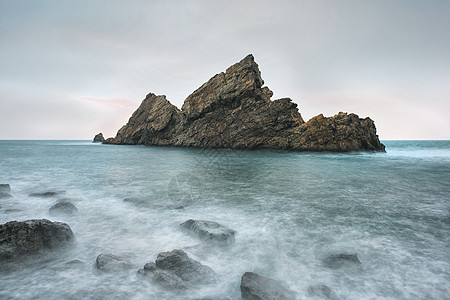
<point x="234" y="110"/>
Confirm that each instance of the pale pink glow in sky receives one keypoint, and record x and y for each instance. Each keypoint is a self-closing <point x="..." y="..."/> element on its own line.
<point x="70" y="69"/>
<point x="113" y="102"/>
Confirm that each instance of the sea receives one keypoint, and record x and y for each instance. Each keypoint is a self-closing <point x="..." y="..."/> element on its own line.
<point x="290" y="211"/>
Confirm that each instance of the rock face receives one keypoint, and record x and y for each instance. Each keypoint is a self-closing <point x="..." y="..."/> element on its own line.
<point x="175" y="270"/>
<point x="256" y="287"/>
<point x="210" y="231"/>
<point x="111" y="263"/>
<point x="98" y="138"/>
<point x="234" y="110"/>
<point x="33" y="236"/>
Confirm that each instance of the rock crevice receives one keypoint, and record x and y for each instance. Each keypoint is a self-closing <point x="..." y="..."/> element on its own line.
<point x="234" y="110"/>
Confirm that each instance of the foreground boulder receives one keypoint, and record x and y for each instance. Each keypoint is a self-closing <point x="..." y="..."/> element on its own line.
<point x="175" y="270"/>
<point x="63" y="207"/>
<point x="209" y="231"/>
<point x="234" y="110"/>
<point x="111" y="263"/>
<point x="32" y="236"/>
<point x="98" y="138"/>
<point x="256" y="287"/>
<point x="336" y="261"/>
<point x="5" y="191"/>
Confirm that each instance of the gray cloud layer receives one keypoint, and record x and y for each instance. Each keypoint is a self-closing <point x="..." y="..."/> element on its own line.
<point x="70" y="69"/>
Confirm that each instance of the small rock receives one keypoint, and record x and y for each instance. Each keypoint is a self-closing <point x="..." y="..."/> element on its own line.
<point x="74" y="262"/>
<point x="256" y="287"/>
<point x="147" y="202"/>
<point x="47" y="194"/>
<point x="139" y="201"/>
<point x="98" y="138"/>
<point x="336" y="261"/>
<point x="63" y="208"/>
<point x="111" y="263"/>
<point x="12" y="210"/>
<point x="210" y="231"/>
<point x="5" y="190"/>
<point x="32" y="236"/>
<point x="175" y="270"/>
<point x="321" y="291"/>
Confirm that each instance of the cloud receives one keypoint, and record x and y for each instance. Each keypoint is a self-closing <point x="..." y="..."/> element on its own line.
<point x="325" y="56"/>
<point x="109" y="102"/>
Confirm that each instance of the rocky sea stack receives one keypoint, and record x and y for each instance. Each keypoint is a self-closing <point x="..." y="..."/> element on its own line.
<point x="234" y="110"/>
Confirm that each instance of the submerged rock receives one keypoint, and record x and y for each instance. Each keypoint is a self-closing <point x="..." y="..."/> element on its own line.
<point x="98" y="138"/>
<point x="175" y="270"/>
<point x="256" y="287"/>
<point x="209" y="231"/>
<point x="147" y="202"/>
<point x="47" y="194"/>
<point x="32" y="236"/>
<point x="140" y="201"/>
<point x="5" y="188"/>
<point x="336" y="261"/>
<point x="234" y="110"/>
<point x="63" y="207"/>
<point x="321" y="291"/>
<point x="111" y="263"/>
<point x="5" y="191"/>
<point x="75" y="262"/>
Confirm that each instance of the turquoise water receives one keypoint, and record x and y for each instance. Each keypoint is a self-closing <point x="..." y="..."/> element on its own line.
<point x="290" y="211"/>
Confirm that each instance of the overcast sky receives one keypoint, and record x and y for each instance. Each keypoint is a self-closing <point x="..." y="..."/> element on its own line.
<point x="71" y="69"/>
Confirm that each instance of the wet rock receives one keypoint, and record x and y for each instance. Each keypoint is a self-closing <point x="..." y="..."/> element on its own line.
<point x="321" y="291"/>
<point x="12" y="210"/>
<point x="72" y="265"/>
<point x="5" y="188"/>
<point x="111" y="263"/>
<point x="212" y="298"/>
<point x="75" y="262"/>
<point x="5" y="191"/>
<point x="63" y="208"/>
<point x="234" y="110"/>
<point x="47" y="194"/>
<point x="147" y="202"/>
<point x="209" y="231"/>
<point x="140" y="201"/>
<point x="98" y="138"/>
<point x="336" y="261"/>
<point x="175" y="270"/>
<point x="256" y="287"/>
<point x="18" y="239"/>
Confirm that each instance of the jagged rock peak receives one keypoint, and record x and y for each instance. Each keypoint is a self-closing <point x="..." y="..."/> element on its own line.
<point x="241" y="80"/>
<point x="98" y="138"/>
<point x="234" y="110"/>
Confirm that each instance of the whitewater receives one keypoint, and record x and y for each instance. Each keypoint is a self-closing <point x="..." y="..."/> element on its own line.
<point x="290" y="211"/>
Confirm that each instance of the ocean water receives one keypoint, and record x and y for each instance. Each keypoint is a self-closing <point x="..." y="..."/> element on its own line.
<point x="290" y="211"/>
